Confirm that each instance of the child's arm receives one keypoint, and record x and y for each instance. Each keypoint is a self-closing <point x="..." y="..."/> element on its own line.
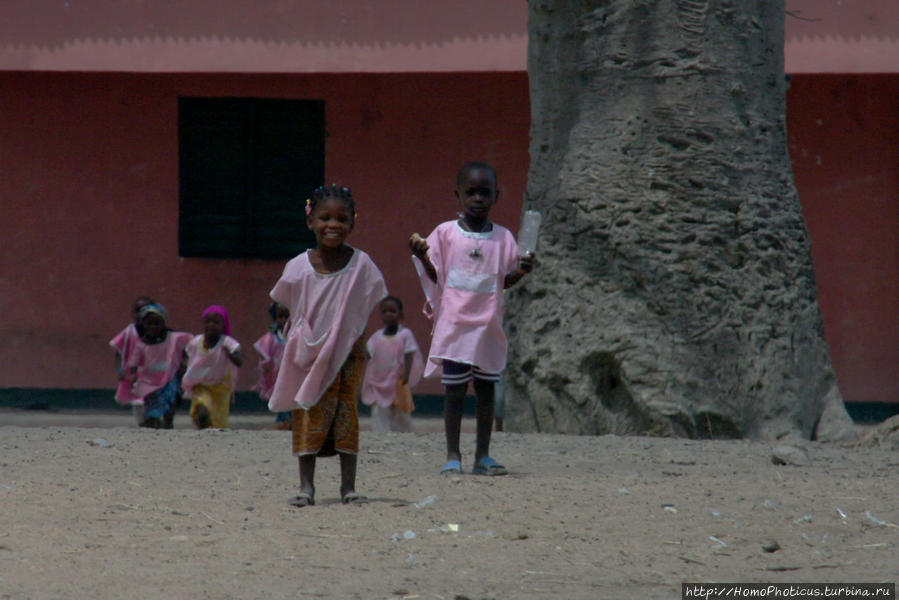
<point x="182" y="368"/>
<point x="407" y="367"/>
<point x="120" y="365"/>
<point x="232" y="350"/>
<point x="525" y="266"/>
<point x="235" y="357"/>
<point x="419" y="247"/>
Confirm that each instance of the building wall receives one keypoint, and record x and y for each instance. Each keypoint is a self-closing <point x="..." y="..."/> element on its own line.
<point x="89" y="204"/>
<point x="844" y="143"/>
<point x="288" y="36"/>
<point x="352" y="36"/>
<point x="89" y="199"/>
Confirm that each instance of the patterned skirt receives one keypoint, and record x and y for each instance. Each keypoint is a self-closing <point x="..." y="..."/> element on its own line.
<point x="162" y="401"/>
<point x="332" y="425"/>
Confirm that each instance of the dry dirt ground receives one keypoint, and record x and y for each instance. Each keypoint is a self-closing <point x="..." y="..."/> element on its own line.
<point x="112" y="512"/>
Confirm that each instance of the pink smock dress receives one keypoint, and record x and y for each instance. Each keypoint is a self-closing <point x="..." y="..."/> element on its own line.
<point x="387" y="360"/>
<point x="211" y="366"/>
<point x="466" y="302"/>
<point x="328" y="313"/>
<point x="157" y="364"/>
<point x="271" y="350"/>
<point x="124" y="343"/>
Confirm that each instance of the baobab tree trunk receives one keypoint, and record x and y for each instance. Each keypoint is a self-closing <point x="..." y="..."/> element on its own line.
<point x="675" y="293"/>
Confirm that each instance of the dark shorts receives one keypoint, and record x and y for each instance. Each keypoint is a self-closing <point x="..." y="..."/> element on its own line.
<point x="455" y="373"/>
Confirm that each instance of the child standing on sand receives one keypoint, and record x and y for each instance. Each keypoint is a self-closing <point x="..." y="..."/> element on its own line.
<point x="330" y="291"/>
<point x="155" y="366"/>
<point x="212" y="361"/>
<point x="270" y="348"/>
<point x="466" y="265"/>
<point x="123" y="344"/>
<point x="394" y="367"/>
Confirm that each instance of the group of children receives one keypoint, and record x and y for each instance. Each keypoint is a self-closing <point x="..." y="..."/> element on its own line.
<point x="313" y="360"/>
<point x="157" y="366"/>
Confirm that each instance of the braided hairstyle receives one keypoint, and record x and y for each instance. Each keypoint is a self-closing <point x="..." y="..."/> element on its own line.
<point x="323" y="193"/>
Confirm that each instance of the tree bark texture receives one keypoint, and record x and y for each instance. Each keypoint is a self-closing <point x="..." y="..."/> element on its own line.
<point x="675" y="293"/>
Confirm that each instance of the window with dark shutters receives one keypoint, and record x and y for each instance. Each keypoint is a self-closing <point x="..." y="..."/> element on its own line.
<point x="246" y="166"/>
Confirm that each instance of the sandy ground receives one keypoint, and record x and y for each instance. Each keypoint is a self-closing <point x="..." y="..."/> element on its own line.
<point x="114" y="512"/>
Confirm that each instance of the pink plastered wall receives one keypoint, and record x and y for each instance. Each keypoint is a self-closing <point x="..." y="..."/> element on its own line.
<point x="89" y="199"/>
<point x="844" y="144"/>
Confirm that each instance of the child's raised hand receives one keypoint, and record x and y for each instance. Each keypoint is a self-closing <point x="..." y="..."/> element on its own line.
<point x="418" y="245"/>
<point x="526" y="263"/>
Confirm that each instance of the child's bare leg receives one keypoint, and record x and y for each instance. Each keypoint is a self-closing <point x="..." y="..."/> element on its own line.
<point x="202" y="419"/>
<point x="452" y="419"/>
<point x="347" y="474"/>
<point x="485" y="392"/>
<point x="307" y="474"/>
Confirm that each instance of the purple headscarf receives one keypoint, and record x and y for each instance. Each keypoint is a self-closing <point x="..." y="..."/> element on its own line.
<point x="215" y="309"/>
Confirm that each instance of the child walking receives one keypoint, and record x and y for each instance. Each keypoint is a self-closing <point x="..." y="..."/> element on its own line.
<point x="394" y="367"/>
<point x="212" y="361"/>
<point x="270" y="348"/>
<point x="124" y="343"/>
<point x="330" y="291"/>
<point x="466" y="264"/>
<point x="156" y="365"/>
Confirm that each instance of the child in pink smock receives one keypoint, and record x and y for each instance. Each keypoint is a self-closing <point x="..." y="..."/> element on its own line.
<point x="212" y="361"/>
<point x="330" y="291"/>
<point x="465" y="265"/>
<point x="394" y="367"/>
<point x="155" y="365"/>
<point x="270" y="348"/>
<point x="123" y="344"/>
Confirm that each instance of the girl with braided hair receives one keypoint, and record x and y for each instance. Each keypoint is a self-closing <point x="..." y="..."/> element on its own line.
<point x="330" y="291"/>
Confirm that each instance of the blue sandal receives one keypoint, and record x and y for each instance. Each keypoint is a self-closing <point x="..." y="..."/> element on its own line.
<point x="452" y="467"/>
<point x="488" y="466"/>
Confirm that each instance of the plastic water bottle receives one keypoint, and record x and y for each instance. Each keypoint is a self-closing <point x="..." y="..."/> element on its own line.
<point x="425" y="502"/>
<point x="530" y="227"/>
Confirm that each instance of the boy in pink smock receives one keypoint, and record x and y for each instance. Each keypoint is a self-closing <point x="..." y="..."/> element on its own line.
<point x="394" y="367"/>
<point x="270" y="348"/>
<point x="465" y="265"/>
<point x="124" y="343"/>
<point x="330" y="291"/>
<point x="212" y="361"/>
<point x="155" y="366"/>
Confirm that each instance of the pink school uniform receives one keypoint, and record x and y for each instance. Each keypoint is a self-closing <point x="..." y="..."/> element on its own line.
<point x="157" y="364"/>
<point x="388" y="358"/>
<point x="209" y="367"/>
<point x="271" y="350"/>
<point x="466" y="303"/>
<point x="328" y="313"/>
<point x="124" y="343"/>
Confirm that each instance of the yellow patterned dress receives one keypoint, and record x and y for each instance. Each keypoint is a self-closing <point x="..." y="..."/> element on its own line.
<point x="332" y="425"/>
<point x="217" y="400"/>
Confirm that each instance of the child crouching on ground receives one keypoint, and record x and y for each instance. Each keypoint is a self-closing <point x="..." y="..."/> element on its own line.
<point x="155" y="366"/>
<point x="124" y="344"/>
<point x="212" y="361"/>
